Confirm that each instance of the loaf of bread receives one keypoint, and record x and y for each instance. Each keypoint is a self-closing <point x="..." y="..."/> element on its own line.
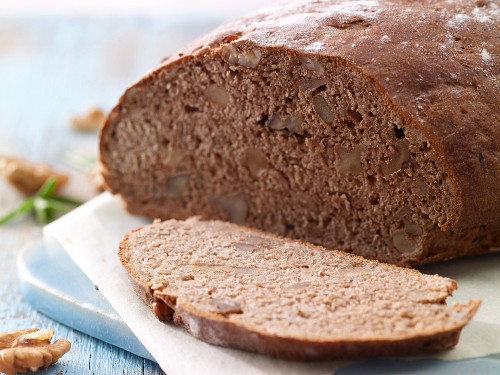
<point x="234" y="286"/>
<point x="372" y="126"/>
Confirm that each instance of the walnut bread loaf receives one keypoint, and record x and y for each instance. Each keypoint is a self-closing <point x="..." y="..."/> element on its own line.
<point x="369" y="126"/>
<point x="234" y="286"/>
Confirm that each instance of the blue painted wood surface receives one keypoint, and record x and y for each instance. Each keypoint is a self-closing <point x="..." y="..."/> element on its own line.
<point x="50" y="69"/>
<point x="67" y="295"/>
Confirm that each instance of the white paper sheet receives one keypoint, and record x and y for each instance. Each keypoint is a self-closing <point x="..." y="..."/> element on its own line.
<point x="91" y="235"/>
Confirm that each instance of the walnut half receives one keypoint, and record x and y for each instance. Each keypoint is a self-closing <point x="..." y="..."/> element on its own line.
<point x="29" y="349"/>
<point x="90" y="121"/>
<point x="27" y="176"/>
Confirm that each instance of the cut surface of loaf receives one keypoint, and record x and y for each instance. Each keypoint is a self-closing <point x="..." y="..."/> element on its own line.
<point x="234" y="286"/>
<point x="369" y="126"/>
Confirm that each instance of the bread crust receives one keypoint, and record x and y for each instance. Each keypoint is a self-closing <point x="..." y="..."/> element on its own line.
<point x="218" y="329"/>
<point x="433" y="62"/>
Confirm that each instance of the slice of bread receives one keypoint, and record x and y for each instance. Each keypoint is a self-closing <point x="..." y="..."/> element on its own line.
<point x="234" y="286"/>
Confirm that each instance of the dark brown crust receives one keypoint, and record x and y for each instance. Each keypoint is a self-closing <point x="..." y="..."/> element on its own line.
<point x="216" y="329"/>
<point x="449" y="95"/>
<point x="292" y="349"/>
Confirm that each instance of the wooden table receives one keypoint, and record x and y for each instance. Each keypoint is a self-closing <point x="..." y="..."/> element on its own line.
<point x="52" y="67"/>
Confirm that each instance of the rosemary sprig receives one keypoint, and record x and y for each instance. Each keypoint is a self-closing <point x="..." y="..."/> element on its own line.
<point x="44" y="205"/>
<point x="23" y="208"/>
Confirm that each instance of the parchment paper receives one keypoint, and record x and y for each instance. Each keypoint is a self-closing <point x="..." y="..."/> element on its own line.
<point x="91" y="233"/>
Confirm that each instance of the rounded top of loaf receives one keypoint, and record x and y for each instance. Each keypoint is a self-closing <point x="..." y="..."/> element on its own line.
<point x="435" y="61"/>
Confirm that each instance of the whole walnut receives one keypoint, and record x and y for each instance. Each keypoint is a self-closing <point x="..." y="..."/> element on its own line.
<point x="29" y="349"/>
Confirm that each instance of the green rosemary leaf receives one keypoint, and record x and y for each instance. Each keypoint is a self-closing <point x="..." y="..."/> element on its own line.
<point x="66" y="200"/>
<point x="56" y="205"/>
<point x="40" y="203"/>
<point x="41" y="207"/>
<point x="24" y="207"/>
<point x="45" y="205"/>
<point x="41" y="216"/>
<point x="48" y="188"/>
<point x="51" y="215"/>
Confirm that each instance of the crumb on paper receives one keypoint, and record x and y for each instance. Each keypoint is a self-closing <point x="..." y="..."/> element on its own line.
<point x="90" y="121"/>
<point x="30" y="349"/>
<point x="28" y="177"/>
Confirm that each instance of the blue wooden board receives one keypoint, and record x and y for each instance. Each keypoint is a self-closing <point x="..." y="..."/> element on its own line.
<point x="64" y="293"/>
